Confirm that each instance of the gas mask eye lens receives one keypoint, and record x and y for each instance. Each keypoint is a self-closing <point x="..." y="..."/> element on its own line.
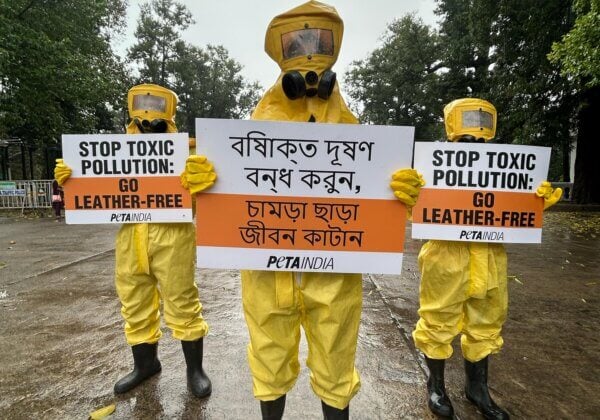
<point x="149" y="103"/>
<point x="478" y="118"/>
<point x="312" y="78"/>
<point x="307" y="42"/>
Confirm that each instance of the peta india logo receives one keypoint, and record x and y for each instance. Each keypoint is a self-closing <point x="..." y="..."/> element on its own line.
<point x="300" y="263"/>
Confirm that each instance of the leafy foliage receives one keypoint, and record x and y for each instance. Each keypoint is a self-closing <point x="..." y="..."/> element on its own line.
<point x="158" y="34"/>
<point x="535" y="104"/>
<point x="208" y="82"/>
<point x="210" y="85"/>
<point x="466" y="44"/>
<point x="494" y="50"/>
<point x="579" y="59"/>
<point x="397" y="84"/>
<point x="58" y="72"/>
<point x="578" y="52"/>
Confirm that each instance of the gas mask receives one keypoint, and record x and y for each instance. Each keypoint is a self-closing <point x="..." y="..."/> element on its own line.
<point x="309" y="43"/>
<point x="305" y="43"/>
<point x="151" y="109"/>
<point x="157" y="125"/>
<point x="296" y="86"/>
<point x="470" y="120"/>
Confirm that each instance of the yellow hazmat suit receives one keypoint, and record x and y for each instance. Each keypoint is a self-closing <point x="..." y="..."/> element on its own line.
<point x="328" y="306"/>
<point x="464" y="286"/>
<point x="463" y="289"/>
<point x="156" y="260"/>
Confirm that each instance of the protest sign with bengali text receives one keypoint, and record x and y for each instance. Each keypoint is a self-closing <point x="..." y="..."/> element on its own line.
<point x="302" y="196"/>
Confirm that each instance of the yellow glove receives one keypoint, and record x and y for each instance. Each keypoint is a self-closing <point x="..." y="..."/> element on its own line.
<point x="407" y="184"/>
<point x="198" y="174"/>
<point x="550" y="195"/>
<point x="62" y="172"/>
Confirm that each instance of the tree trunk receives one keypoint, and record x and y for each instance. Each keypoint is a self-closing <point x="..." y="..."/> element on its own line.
<point x="586" y="189"/>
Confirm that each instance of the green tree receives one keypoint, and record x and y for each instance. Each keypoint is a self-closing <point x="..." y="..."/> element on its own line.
<point x="58" y="73"/>
<point x="578" y="53"/>
<point x="207" y="81"/>
<point x="496" y="50"/>
<point x="210" y="85"/>
<point x="158" y="35"/>
<point x="466" y="47"/>
<point x="397" y="84"/>
<point x="534" y="102"/>
<point x="579" y="59"/>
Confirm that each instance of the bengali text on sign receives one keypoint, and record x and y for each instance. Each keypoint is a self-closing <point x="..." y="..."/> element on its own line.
<point x="302" y="196"/>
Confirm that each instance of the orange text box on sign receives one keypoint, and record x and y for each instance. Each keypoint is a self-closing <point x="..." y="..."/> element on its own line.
<point x="300" y="223"/>
<point x="145" y="193"/>
<point x="478" y="216"/>
<point x="503" y="209"/>
<point x="161" y="199"/>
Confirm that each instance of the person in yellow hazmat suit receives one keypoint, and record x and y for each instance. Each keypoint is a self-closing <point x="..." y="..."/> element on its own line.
<point x="155" y="261"/>
<point x="305" y="43"/>
<point x="464" y="285"/>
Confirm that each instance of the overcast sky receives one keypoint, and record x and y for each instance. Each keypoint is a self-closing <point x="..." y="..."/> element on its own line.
<point x="240" y="26"/>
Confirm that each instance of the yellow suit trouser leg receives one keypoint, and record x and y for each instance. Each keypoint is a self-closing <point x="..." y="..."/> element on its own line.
<point x="171" y="257"/>
<point x="483" y="318"/>
<point x="137" y="292"/>
<point x="332" y="310"/>
<point x="446" y="307"/>
<point x="274" y="336"/>
<point x="172" y="249"/>
<point x="329" y="308"/>
<point x="444" y="286"/>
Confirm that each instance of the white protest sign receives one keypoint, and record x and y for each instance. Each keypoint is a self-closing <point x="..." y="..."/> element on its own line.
<point x="302" y="196"/>
<point x="480" y="192"/>
<point x="126" y="178"/>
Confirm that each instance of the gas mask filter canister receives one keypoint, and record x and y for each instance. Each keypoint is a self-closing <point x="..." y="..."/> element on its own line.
<point x="296" y="86"/>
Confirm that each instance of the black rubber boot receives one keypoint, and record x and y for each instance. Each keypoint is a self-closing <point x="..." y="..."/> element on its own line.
<point x="437" y="398"/>
<point x="332" y="413"/>
<point x="145" y="365"/>
<point x="273" y="410"/>
<point x="197" y="379"/>
<point x="476" y="390"/>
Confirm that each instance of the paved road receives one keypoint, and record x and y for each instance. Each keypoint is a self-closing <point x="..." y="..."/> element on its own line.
<point x="62" y="347"/>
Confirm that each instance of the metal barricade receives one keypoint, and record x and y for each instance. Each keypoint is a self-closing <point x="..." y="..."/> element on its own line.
<point x="32" y="194"/>
<point x="36" y="194"/>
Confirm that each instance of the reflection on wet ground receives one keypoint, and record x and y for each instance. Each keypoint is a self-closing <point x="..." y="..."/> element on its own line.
<point x="62" y="347"/>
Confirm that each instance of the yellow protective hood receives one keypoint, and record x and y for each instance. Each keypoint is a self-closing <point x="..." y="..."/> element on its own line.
<point x="168" y="115"/>
<point x="312" y="14"/>
<point x="453" y="119"/>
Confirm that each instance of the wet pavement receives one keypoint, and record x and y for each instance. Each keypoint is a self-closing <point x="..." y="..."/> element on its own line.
<point x="62" y="346"/>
